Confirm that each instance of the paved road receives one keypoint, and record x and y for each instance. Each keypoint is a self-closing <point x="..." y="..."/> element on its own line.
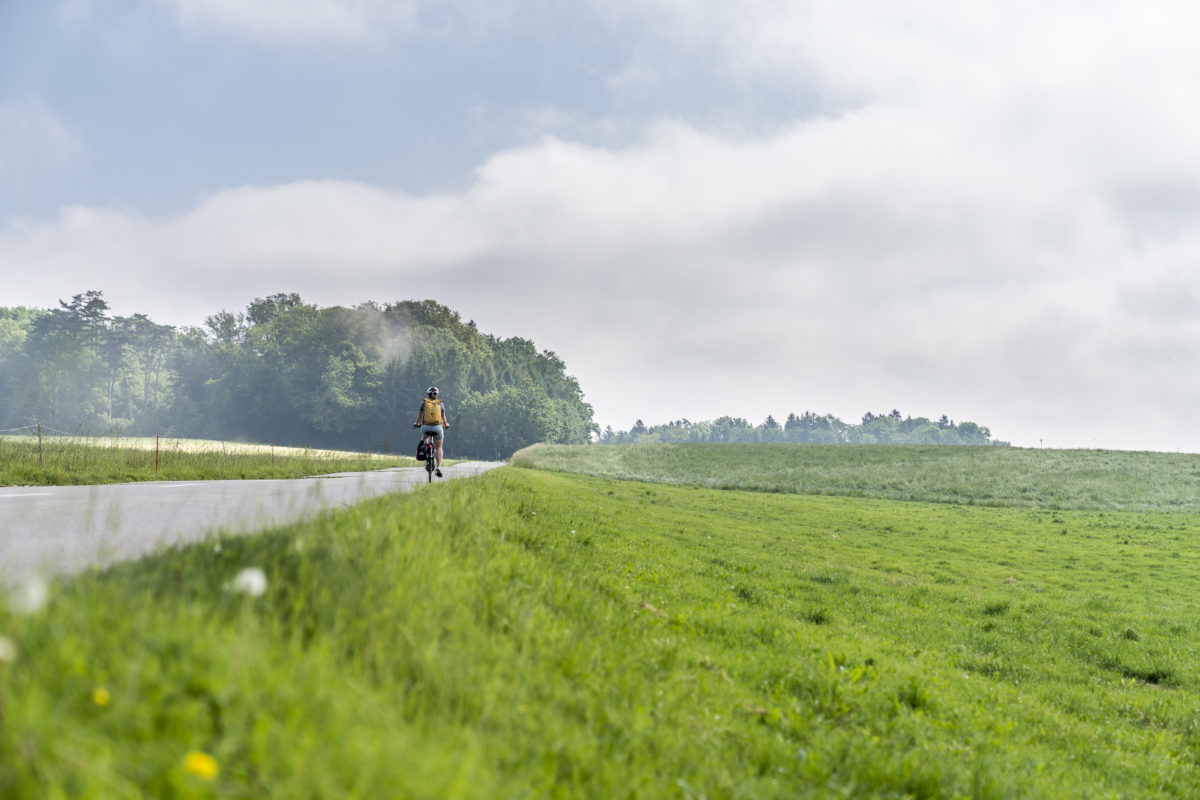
<point x="55" y="530"/>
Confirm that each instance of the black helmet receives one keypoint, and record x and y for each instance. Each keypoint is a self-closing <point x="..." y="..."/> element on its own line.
<point x="432" y="390"/>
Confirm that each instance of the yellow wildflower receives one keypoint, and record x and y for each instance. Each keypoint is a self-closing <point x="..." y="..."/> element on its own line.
<point x="100" y="696"/>
<point x="202" y="765"/>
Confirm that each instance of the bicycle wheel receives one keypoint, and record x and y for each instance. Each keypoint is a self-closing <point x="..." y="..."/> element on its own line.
<point x="430" y="465"/>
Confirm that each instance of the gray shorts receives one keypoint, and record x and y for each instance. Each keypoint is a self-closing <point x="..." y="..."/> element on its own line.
<point x="438" y="432"/>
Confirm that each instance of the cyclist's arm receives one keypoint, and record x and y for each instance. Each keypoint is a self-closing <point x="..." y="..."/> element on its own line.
<point x="445" y="416"/>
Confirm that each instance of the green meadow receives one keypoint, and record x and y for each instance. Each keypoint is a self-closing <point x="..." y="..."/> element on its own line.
<point x="536" y="633"/>
<point x="1102" y="480"/>
<point x="68" y="460"/>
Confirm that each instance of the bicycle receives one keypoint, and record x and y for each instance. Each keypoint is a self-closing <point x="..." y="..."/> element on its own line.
<point x="430" y="456"/>
<point x="431" y="464"/>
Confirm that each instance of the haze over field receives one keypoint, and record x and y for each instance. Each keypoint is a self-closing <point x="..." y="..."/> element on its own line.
<point x="982" y="210"/>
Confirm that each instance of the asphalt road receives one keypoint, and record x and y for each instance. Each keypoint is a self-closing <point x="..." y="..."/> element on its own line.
<point x="57" y="530"/>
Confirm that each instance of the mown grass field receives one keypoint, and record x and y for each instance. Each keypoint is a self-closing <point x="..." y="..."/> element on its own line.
<point x="69" y="460"/>
<point x="1102" y="480"/>
<point x="546" y="634"/>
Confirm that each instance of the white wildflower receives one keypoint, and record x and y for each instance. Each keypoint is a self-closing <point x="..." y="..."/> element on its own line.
<point x="8" y="650"/>
<point x="250" y="582"/>
<point x="30" y="597"/>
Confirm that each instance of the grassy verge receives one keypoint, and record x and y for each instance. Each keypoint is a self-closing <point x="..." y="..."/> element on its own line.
<point x="540" y="634"/>
<point x="1103" y="480"/>
<point x="77" y="460"/>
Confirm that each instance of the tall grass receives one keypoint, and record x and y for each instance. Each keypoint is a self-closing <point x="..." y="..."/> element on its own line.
<point x="990" y="476"/>
<point x="62" y="460"/>
<point x="532" y="634"/>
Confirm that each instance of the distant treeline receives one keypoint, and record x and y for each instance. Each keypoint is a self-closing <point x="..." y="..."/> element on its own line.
<point x="285" y="371"/>
<point x="893" y="428"/>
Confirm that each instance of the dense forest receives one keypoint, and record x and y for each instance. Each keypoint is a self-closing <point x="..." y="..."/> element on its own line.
<point x="892" y="428"/>
<point x="287" y="372"/>
<point x="290" y="372"/>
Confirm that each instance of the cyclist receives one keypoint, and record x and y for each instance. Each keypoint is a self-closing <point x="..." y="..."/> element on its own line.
<point x="431" y="419"/>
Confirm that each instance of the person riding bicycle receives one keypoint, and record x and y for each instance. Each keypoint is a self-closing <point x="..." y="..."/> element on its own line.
<point x="431" y="419"/>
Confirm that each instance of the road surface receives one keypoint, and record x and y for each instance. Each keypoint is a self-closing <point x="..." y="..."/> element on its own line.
<point x="58" y="530"/>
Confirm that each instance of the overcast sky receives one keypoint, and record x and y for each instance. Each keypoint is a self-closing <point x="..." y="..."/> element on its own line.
<point x="986" y="210"/>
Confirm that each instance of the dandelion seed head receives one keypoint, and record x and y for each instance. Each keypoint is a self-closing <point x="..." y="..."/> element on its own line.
<point x="30" y="597"/>
<point x="250" y="582"/>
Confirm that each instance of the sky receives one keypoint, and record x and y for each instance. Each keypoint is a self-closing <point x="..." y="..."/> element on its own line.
<point x="986" y="210"/>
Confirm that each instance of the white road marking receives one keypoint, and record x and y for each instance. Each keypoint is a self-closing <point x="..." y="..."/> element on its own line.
<point x="27" y="494"/>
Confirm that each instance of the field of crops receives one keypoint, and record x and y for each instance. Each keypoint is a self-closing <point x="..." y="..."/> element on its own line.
<point x="66" y="460"/>
<point x="546" y="634"/>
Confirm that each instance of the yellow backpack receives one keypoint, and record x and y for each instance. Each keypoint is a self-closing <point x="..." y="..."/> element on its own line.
<point x="432" y="413"/>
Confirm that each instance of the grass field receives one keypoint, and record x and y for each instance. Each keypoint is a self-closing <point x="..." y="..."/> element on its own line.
<point x="544" y="634"/>
<point x="66" y="460"/>
<point x="1102" y="480"/>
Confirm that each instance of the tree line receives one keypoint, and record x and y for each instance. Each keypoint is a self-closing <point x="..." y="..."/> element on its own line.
<point x="892" y="428"/>
<point x="285" y="371"/>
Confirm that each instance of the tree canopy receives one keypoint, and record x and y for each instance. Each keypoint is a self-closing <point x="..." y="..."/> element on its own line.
<point x="892" y="428"/>
<point x="285" y="371"/>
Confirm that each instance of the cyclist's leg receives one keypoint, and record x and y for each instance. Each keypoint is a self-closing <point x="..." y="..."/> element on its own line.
<point x="436" y="435"/>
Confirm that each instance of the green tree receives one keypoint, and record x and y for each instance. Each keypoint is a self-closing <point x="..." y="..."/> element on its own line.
<point x="496" y="424"/>
<point x="284" y="371"/>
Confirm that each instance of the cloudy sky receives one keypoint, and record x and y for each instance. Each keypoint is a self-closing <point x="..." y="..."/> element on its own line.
<point x="986" y="210"/>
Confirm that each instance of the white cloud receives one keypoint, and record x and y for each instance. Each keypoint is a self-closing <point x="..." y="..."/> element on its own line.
<point x="992" y="218"/>
<point x="878" y="49"/>
<point x="489" y="124"/>
<point x="843" y="265"/>
<point x="74" y="10"/>
<point x="303" y="22"/>
<point x="33" y="139"/>
<point x="296" y="21"/>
